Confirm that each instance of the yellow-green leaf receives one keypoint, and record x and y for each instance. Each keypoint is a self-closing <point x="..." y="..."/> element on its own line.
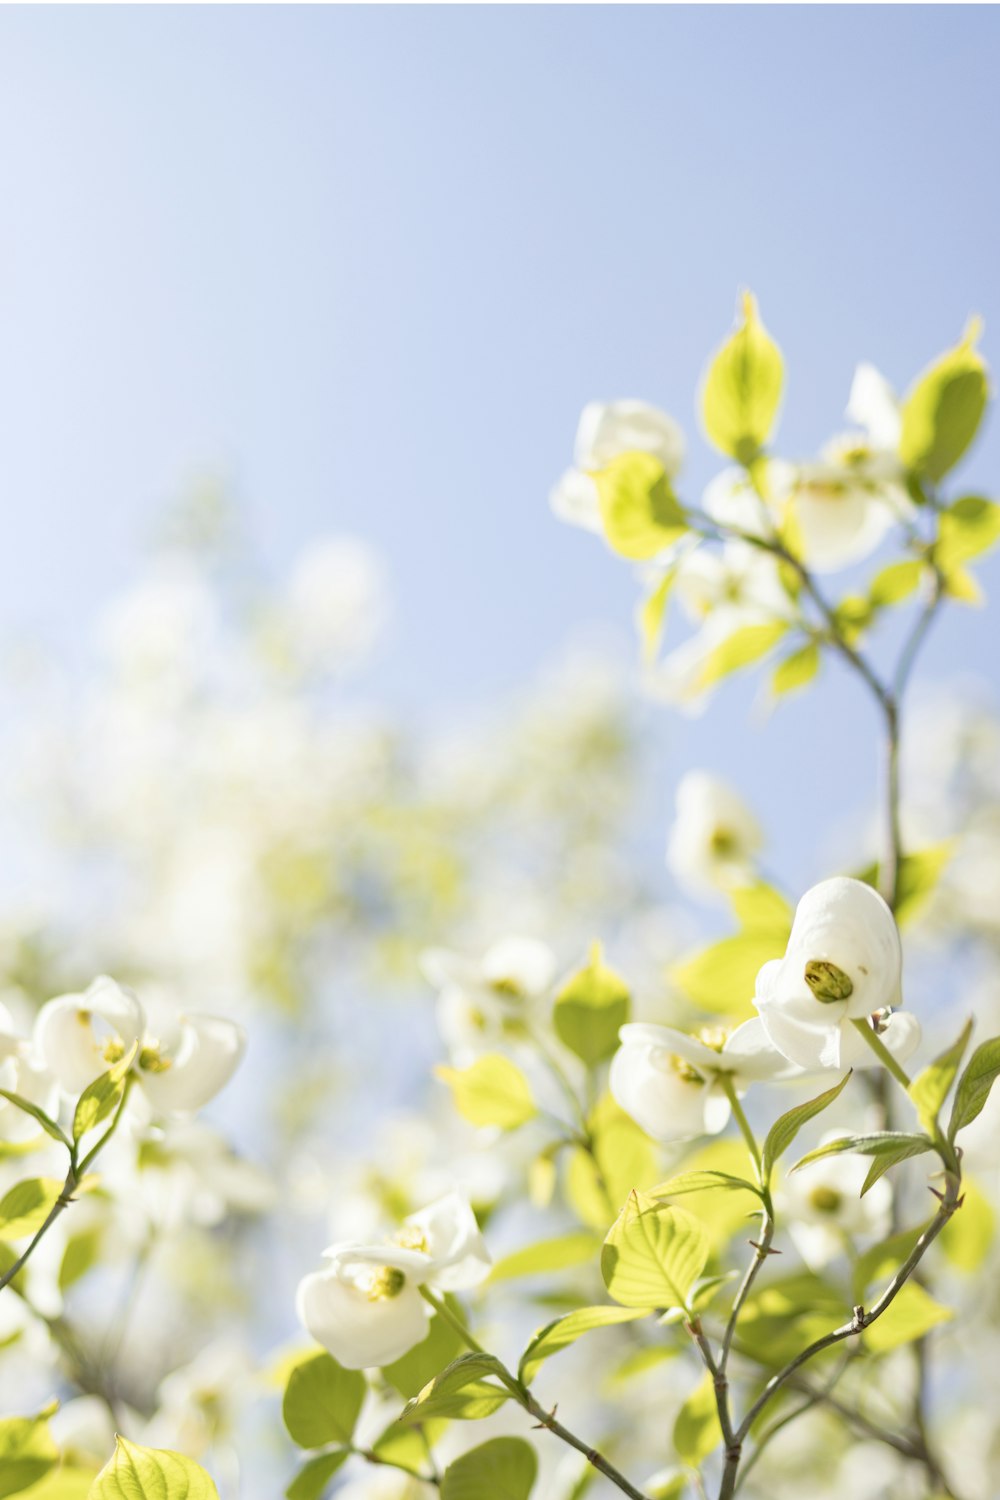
<point x="973" y="1087"/>
<point x="653" y="1254"/>
<point x="651" y="615"/>
<point x="742" y="390"/>
<point x="321" y="1402"/>
<point x="312" y="1479"/>
<point x="796" y="670"/>
<point x="966" y="1238"/>
<point x="27" y="1205"/>
<point x="696" y="1431"/>
<point x="722" y="978"/>
<point x="640" y="513"/>
<point x="760" y="908"/>
<point x="942" y="412"/>
<point x="930" y="1088"/>
<point x="135" y="1473"/>
<point x="566" y="1330"/>
<point x="966" y="530"/>
<point x="27" y="1452"/>
<point x="896" y="582"/>
<point x="572" y="1249"/>
<point x="491" y="1091"/>
<point x="744" y="648"/>
<point x="912" y="1313"/>
<point x="463" y="1391"/>
<point x="590" y="1009"/>
<point x="502" y="1469"/>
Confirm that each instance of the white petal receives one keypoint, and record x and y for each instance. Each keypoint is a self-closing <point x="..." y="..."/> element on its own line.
<point x="454" y="1243"/>
<point x="668" y="1107"/>
<point x="610" y="428"/>
<point x="840" y="523"/>
<point x="575" y="499"/>
<point x="873" y="404"/>
<point x="69" y="1044"/>
<point x="845" y="922"/>
<point x="803" y="1029"/>
<point x="525" y="963"/>
<point x="210" y="1051"/>
<point x="754" y="1056"/>
<point x="358" y="1332"/>
<point x="901" y="1035"/>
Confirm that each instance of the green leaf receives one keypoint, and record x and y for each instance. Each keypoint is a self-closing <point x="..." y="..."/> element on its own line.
<point x="742" y="389"/>
<point x="967" y="529"/>
<point x="888" y="1147"/>
<point x="896" y="582"/>
<point x="700" y="1182"/>
<point x="25" y="1207"/>
<point x="640" y="513"/>
<point x="134" y="1473"/>
<point x="621" y="1157"/>
<point x="919" y="874"/>
<point x="781" y="1317"/>
<point x="81" y="1254"/>
<point x="722" y="978"/>
<point x="784" y="1130"/>
<point x="492" y="1091"/>
<point x="409" y="1445"/>
<point x="27" y="1452"/>
<point x="967" y="1237"/>
<point x="931" y="1087"/>
<point x="502" y="1469"/>
<point x="590" y="1009"/>
<point x="312" y="1479"/>
<point x="322" y="1401"/>
<point x="973" y="1087"/>
<point x="796" y="670"/>
<point x="410" y="1373"/>
<point x="744" y="648"/>
<point x="460" y="1391"/>
<point x="653" y="1255"/>
<point x="566" y="1330"/>
<point x="760" y="908"/>
<point x="942" y="412"/>
<point x="651" y="617"/>
<point x="45" y="1121"/>
<point x="565" y="1250"/>
<point x="100" y="1098"/>
<point x="696" y="1431"/>
<point x="911" y="1313"/>
<point x="882" y="1260"/>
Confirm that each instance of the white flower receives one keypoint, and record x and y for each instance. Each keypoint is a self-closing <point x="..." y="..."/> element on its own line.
<point x="479" y="999"/>
<point x="606" y="430"/>
<point x="183" y="1060"/>
<point x="23" y="1073"/>
<point x="714" y="836"/>
<point x="843" y="963"/>
<point x="823" y="1207"/>
<point x="337" y="602"/>
<point x="845" y="503"/>
<point x="671" y="1083"/>
<point x="366" y="1308"/>
<point x="732" y="500"/>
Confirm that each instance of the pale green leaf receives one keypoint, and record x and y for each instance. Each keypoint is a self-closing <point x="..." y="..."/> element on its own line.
<point x="896" y="582"/>
<point x="573" y="1249"/>
<point x="700" y="1182"/>
<point x="967" y="1237"/>
<point x="100" y="1098"/>
<point x="27" y="1452"/>
<point x="322" y="1401"/>
<point x="742" y="389"/>
<point x="651" y="616"/>
<point x="312" y="1479"/>
<point x="621" y="1157"/>
<point x="491" y="1091"/>
<point x="45" y="1121"/>
<point x="590" y="1009"/>
<point x="461" y="1391"/>
<point x="25" y="1207"/>
<point x="723" y="978"/>
<point x="967" y="529"/>
<point x="135" y="1473"/>
<point x="640" y="514"/>
<point x="696" y="1430"/>
<point x="973" y="1087"/>
<point x="912" y="1313"/>
<point x="943" y="410"/>
<point x="743" y="648"/>
<point x="502" y="1469"/>
<point x="931" y="1087"/>
<point x="411" y="1372"/>
<point x="887" y="1147"/>
<point x="796" y="670"/>
<point x="784" y="1130"/>
<point x="565" y="1331"/>
<point x="760" y="908"/>
<point x="653" y="1255"/>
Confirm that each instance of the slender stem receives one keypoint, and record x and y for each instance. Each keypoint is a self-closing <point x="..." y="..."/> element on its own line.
<point x="740" y="1117"/>
<point x="523" y="1396"/>
<point x="882" y="1052"/>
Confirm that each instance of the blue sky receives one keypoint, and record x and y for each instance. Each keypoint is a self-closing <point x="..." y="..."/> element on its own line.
<point x="368" y="264"/>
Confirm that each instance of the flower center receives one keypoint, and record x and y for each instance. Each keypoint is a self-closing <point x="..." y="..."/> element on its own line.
<point x="685" y="1071"/>
<point x="386" y="1282"/>
<point x="827" y="982"/>
<point x="825" y="1200"/>
<point x="113" y="1050"/>
<point x="712" y="1036"/>
<point x="723" y="842"/>
<point x="411" y="1237"/>
<point x="508" y="987"/>
<point x="151" y="1059"/>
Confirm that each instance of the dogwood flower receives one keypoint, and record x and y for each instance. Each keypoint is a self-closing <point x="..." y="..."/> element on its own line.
<point x="714" y="836"/>
<point x="823" y="1207"/>
<point x="481" y="999"/>
<point x="606" y="430"/>
<point x="365" y="1306"/>
<point x="846" y="502"/>
<point x="182" y="1061"/>
<point x="843" y="963"/>
<point x="672" y="1084"/>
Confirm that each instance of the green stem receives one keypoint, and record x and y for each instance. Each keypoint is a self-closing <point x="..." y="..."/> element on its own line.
<point x="739" y="1115"/>
<point x="882" y="1052"/>
<point x="523" y="1396"/>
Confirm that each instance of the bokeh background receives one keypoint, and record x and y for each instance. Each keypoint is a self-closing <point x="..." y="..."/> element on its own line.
<point x="274" y="276"/>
